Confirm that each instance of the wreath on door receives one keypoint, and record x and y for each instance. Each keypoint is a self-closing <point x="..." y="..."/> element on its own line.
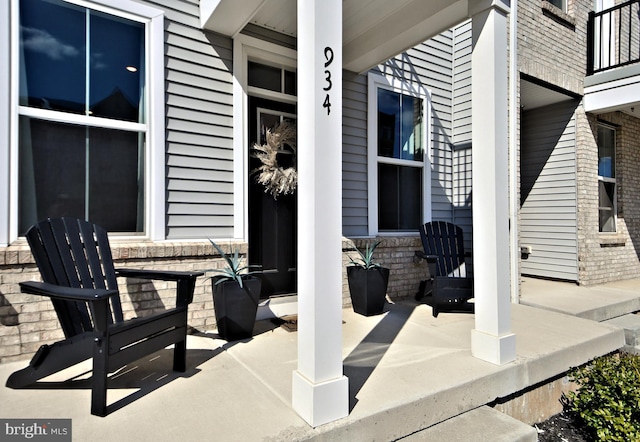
<point x="276" y="179"/>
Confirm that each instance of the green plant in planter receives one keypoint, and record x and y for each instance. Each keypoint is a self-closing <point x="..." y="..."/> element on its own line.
<point x="368" y="282"/>
<point x="366" y="258"/>
<point x="236" y="294"/>
<point x="235" y="270"/>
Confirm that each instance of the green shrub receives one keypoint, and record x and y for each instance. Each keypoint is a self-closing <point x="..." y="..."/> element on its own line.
<point x="607" y="401"/>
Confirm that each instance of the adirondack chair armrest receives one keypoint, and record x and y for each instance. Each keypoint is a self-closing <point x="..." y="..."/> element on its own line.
<point x="162" y="275"/>
<point x="65" y="293"/>
<point x="421" y="255"/>
<point x="186" y="280"/>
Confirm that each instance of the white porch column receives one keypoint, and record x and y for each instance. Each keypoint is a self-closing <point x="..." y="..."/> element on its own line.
<point x="492" y="339"/>
<point x="320" y="390"/>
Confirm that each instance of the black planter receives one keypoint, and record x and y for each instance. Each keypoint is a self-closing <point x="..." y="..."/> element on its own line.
<point x="236" y="307"/>
<point x="368" y="289"/>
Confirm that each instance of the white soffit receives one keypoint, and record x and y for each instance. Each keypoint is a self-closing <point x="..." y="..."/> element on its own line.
<point x="533" y="96"/>
<point x="373" y="30"/>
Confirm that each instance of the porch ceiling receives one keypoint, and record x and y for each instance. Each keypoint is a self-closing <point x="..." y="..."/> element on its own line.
<point x="373" y="30"/>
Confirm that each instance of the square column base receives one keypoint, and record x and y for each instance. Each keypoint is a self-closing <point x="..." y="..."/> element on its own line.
<point x="320" y="403"/>
<point x="498" y="350"/>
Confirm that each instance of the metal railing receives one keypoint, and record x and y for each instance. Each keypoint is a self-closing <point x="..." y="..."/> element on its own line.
<point x="613" y="37"/>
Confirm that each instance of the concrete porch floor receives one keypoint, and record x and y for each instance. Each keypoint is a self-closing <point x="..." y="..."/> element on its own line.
<point x="407" y="371"/>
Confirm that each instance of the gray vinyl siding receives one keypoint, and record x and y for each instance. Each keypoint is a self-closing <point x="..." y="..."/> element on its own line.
<point x="548" y="191"/>
<point x="199" y="125"/>
<point x="462" y="215"/>
<point x="429" y="64"/>
<point x="354" y="155"/>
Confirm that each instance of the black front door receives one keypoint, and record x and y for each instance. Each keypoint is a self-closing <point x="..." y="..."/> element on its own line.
<point x="272" y="220"/>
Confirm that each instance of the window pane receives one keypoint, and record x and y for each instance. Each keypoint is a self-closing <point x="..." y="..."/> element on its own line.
<point x="399" y="197"/>
<point x="606" y="152"/>
<point x="51" y="171"/>
<point x="52" y="55"/>
<point x="117" y="68"/>
<point x="290" y="83"/>
<point x="399" y="126"/>
<point x="116" y="180"/>
<point x="265" y="77"/>
<point x="388" y="124"/>
<point x="76" y="171"/>
<point x="412" y="148"/>
<point x="606" y="197"/>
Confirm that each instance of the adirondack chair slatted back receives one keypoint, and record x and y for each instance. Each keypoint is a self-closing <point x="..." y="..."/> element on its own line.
<point x="444" y="240"/>
<point x="74" y="253"/>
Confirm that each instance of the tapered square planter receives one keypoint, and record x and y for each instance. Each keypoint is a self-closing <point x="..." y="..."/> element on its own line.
<point x="236" y="307"/>
<point x="368" y="289"/>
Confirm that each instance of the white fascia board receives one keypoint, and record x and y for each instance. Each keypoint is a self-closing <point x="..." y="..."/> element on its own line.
<point x="612" y="96"/>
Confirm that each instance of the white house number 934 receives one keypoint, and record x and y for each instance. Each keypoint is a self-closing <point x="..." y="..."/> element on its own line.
<point x="328" y="57"/>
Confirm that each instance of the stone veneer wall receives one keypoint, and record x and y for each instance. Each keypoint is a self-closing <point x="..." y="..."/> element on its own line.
<point x="28" y="321"/>
<point x="605" y="257"/>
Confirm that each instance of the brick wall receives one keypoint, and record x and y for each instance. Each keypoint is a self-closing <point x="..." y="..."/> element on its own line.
<point x="552" y="44"/>
<point x="28" y="321"/>
<point x="605" y="257"/>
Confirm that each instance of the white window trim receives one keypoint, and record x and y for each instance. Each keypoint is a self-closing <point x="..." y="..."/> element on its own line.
<point x="247" y="48"/>
<point x="377" y="81"/>
<point x="155" y="140"/>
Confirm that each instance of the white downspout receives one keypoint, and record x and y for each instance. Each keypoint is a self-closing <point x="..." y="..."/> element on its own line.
<point x="513" y="154"/>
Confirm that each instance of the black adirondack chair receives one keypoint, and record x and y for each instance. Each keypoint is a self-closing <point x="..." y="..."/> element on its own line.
<point x="448" y="287"/>
<point x="76" y="265"/>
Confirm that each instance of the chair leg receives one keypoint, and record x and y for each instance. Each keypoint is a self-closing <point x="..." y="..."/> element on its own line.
<point x="99" y="378"/>
<point x="180" y="356"/>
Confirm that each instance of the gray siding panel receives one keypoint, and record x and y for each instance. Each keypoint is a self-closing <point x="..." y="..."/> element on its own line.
<point x="199" y="125"/>
<point x="461" y="131"/>
<point x="548" y="221"/>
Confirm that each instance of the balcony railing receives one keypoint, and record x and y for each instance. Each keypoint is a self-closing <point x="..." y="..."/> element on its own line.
<point x="613" y="37"/>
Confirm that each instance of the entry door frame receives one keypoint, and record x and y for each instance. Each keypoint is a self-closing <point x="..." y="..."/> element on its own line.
<point x="247" y="48"/>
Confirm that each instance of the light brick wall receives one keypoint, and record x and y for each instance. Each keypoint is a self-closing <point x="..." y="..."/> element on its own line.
<point x="28" y="321"/>
<point x="605" y="257"/>
<point x="552" y="47"/>
<point x="552" y="44"/>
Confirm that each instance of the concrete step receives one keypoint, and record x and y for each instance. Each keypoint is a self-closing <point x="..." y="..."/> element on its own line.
<point x="479" y="425"/>
<point x="631" y="325"/>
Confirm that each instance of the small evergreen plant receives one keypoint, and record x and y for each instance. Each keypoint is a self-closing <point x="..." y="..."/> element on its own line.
<point x="607" y="401"/>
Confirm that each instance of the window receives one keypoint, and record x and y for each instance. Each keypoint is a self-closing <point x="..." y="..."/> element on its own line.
<point x="272" y="78"/>
<point x="84" y="129"/>
<point x="607" y="194"/>
<point x="560" y="4"/>
<point x="399" y="184"/>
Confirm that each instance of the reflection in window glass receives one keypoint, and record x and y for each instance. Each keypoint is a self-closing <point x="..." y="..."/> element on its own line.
<point x="53" y="61"/>
<point x="606" y="197"/>
<point x="52" y="58"/>
<point x="606" y="152"/>
<point x="399" y="126"/>
<point x="117" y="68"/>
<point x="607" y="204"/>
<point x="74" y="60"/>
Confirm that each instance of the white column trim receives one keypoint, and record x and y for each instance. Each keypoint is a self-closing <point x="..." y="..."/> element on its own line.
<point x="492" y="339"/>
<point x="320" y="390"/>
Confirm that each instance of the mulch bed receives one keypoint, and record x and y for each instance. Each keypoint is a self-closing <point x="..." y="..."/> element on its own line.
<point x="560" y="428"/>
